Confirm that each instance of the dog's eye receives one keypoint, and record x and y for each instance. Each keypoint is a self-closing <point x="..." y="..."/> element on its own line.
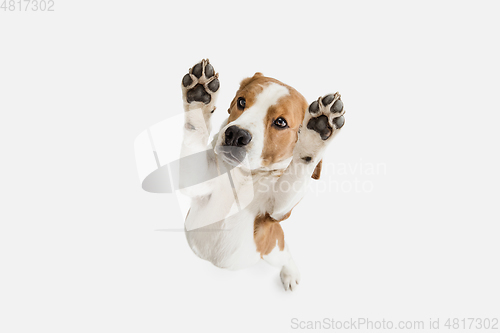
<point x="241" y="103"/>
<point x="280" y="122"/>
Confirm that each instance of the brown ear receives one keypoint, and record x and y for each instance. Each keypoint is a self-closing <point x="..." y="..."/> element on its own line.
<point x="317" y="170"/>
<point x="246" y="81"/>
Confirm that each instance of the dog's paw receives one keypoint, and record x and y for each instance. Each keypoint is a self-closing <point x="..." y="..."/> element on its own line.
<point x="325" y="116"/>
<point x="290" y="276"/>
<point x="201" y="85"/>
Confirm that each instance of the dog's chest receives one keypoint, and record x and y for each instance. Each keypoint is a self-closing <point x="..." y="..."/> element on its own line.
<point x="229" y="243"/>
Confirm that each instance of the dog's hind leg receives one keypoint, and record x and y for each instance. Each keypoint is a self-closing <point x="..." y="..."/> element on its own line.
<point x="290" y="275"/>
<point x="199" y="89"/>
<point x="270" y="241"/>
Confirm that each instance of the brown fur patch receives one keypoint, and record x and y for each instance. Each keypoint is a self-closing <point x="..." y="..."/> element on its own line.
<point x="266" y="231"/>
<point x="317" y="170"/>
<point x="249" y="92"/>
<point x="280" y="142"/>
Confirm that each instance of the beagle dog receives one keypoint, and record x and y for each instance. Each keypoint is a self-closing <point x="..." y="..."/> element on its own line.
<point x="254" y="171"/>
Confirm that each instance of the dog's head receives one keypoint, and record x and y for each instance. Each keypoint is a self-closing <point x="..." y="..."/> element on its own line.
<point x="263" y="123"/>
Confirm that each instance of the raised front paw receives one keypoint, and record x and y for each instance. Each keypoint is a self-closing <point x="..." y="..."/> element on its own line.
<point x="201" y="83"/>
<point x="325" y="116"/>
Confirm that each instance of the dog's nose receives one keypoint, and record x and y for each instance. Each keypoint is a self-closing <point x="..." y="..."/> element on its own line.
<point x="237" y="137"/>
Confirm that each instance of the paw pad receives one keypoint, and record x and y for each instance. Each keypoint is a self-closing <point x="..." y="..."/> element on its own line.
<point x="337" y="107"/>
<point x="209" y="71"/>
<point x="201" y="83"/>
<point x="326" y="115"/>
<point x="198" y="94"/>
<point x="321" y="126"/>
<point x="327" y="99"/>
<point x="339" y="122"/>
<point x="187" y="80"/>
<point x="314" y="107"/>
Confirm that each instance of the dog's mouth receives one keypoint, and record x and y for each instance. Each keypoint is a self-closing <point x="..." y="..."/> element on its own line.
<point x="230" y="154"/>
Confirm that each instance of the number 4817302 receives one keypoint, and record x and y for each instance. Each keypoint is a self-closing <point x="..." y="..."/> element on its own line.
<point x="28" y="5"/>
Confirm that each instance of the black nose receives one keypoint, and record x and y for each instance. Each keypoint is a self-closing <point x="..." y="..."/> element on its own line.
<point x="237" y="137"/>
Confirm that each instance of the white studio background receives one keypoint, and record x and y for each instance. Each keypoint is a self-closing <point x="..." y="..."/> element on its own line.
<point x="81" y="246"/>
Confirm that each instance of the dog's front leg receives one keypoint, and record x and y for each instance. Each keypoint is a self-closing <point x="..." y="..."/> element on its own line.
<point x="322" y="122"/>
<point x="199" y="89"/>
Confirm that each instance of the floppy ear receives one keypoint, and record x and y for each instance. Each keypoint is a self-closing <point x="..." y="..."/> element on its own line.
<point x="246" y="81"/>
<point x="317" y="170"/>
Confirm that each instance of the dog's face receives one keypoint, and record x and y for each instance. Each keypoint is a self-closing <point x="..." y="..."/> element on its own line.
<point x="263" y="123"/>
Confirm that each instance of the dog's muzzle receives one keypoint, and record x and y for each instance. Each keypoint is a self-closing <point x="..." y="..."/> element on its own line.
<point x="237" y="137"/>
<point x="233" y="149"/>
